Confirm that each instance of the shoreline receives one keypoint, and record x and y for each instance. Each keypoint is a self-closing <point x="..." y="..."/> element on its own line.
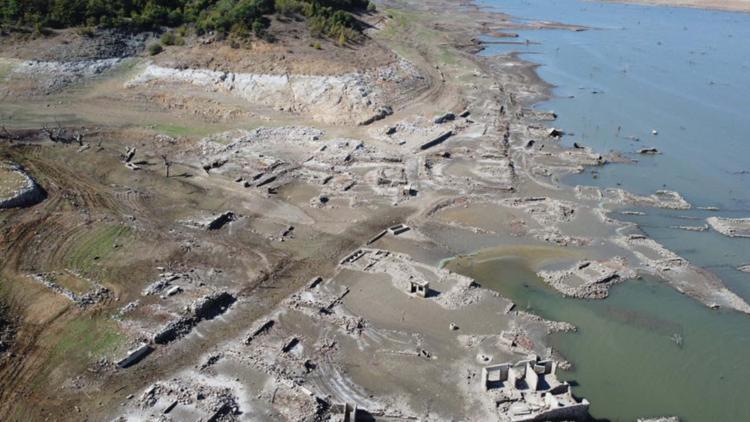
<point x="738" y="6"/>
<point x="620" y="204"/>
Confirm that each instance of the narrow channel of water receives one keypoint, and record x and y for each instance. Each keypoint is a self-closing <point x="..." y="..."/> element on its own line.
<point x="627" y="362"/>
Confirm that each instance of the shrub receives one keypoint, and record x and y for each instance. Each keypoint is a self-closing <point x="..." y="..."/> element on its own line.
<point x="330" y="18"/>
<point x="371" y="7"/>
<point x="155" y="49"/>
<point x="168" y="38"/>
<point x="86" y="31"/>
<point x="259" y="28"/>
<point x="289" y="7"/>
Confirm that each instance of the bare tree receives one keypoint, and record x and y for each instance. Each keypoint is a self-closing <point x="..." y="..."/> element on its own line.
<point x="61" y="135"/>
<point x="52" y="135"/>
<point x="167" y="163"/>
<point x="129" y="154"/>
<point x="5" y="134"/>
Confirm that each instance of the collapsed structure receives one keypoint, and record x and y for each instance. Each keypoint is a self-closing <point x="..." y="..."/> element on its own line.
<point x="530" y="391"/>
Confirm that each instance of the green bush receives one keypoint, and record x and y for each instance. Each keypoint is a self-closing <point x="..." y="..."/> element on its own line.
<point x="167" y="38"/>
<point x="325" y="17"/>
<point x="289" y="7"/>
<point x="259" y="28"/>
<point x="154" y="49"/>
<point x="171" y="38"/>
<point x="86" y="31"/>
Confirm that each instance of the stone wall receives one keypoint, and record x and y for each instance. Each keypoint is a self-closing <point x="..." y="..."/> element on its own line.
<point x="27" y="196"/>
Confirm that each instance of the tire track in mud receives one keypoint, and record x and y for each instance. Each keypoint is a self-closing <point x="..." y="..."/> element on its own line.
<point x="15" y="371"/>
<point x="37" y="236"/>
<point x="40" y="238"/>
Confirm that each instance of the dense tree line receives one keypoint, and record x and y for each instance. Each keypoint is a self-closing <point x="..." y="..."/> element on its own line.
<point x="329" y="17"/>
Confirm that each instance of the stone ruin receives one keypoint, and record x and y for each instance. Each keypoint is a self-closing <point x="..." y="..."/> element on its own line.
<point x="419" y="287"/>
<point x="530" y="391"/>
<point x="136" y="355"/>
<point x="28" y="192"/>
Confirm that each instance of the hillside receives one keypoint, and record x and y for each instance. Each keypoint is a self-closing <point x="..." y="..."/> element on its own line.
<point x="240" y="18"/>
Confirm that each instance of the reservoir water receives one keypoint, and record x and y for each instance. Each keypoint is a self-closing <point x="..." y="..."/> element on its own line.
<point x="626" y="359"/>
<point x="684" y="73"/>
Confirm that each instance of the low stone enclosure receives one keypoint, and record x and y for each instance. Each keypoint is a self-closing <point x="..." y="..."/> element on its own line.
<point x="530" y="391"/>
<point x="18" y="189"/>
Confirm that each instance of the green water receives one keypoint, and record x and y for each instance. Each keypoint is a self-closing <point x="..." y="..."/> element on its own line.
<point x="625" y="360"/>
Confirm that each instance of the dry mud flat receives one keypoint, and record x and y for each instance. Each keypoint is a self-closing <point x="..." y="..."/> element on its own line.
<point x="287" y="268"/>
<point x="337" y="344"/>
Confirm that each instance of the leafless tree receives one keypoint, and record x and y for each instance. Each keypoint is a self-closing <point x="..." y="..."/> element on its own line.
<point x="129" y="154"/>
<point x="167" y="163"/>
<point x="5" y="134"/>
<point x="61" y="135"/>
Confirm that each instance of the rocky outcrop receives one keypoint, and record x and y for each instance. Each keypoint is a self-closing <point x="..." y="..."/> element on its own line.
<point x="206" y="308"/>
<point x="53" y="76"/>
<point x="346" y="98"/>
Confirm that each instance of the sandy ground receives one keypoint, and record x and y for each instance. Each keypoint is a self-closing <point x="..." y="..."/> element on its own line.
<point x="728" y="5"/>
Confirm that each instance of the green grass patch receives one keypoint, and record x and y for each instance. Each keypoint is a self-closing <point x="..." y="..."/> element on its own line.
<point x="448" y="55"/>
<point x="399" y="21"/>
<point x="405" y="25"/>
<point x="82" y="341"/>
<point x="89" y="338"/>
<point x="176" y="131"/>
<point x="96" y="246"/>
<point x="5" y="69"/>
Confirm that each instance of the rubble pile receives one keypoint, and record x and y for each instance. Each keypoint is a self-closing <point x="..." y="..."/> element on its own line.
<point x="589" y="279"/>
<point x="205" y="308"/>
<point x="95" y="295"/>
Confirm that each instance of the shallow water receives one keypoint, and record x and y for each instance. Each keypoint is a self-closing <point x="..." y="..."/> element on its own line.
<point x="682" y="72"/>
<point x="686" y="74"/>
<point x="626" y="362"/>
